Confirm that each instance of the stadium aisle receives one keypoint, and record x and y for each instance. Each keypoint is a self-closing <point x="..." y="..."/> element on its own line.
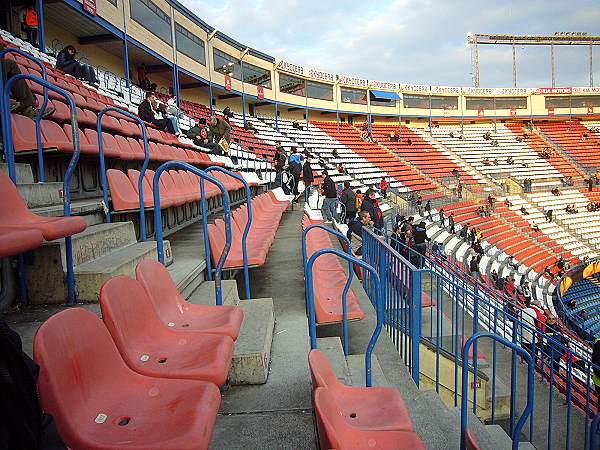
<point x="280" y="411"/>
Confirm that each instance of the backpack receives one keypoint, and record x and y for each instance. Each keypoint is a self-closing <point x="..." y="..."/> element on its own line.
<point x="22" y="423"/>
<point x="359" y="199"/>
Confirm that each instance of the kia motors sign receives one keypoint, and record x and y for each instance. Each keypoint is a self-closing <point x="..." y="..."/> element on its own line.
<point x="89" y="6"/>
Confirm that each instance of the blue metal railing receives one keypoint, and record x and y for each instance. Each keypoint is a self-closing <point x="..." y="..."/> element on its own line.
<point x="38" y="130"/>
<point x="103" y="181"/>
<point x="378" y="303"/>
<point x="226" y="212"/>
<point x="10" y="157"/>
<point x="528" y="411"/>
<point x="401" y="291"/>
<point x="350" y="274"/>
<point x="246" y="228"/>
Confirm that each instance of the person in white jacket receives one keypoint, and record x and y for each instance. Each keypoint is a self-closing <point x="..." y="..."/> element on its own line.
<point x="528" y="328"/>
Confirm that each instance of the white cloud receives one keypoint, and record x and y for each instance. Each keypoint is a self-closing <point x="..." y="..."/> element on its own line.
<point x="407" y="40"/>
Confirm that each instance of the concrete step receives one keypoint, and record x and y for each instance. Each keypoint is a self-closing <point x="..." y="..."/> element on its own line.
<point x="23" y="172"/>
<point x="99" y="240"/>
<point x="356" y="366"/>
<point x="252" y="352"/>
<point x="41" y="194"/>
<point x="503" y="440"/>
<point x="90" y="209"/>
<point x="187" y="275"/>
<point x="205" y="293"/>
<point x="332" y="347"/>
<point x="502" y="390"/>
<point x="90" y="276"/>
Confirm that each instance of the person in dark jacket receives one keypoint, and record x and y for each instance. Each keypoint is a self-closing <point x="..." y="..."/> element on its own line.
<point x="307" y="176"/>
<point x="368" y="205"/>
<point x="421" y="238"/>
<point x="348" y="199"/>
<point x="354" y="233"/>
<point x="451" y="223"/>
<point x="295" y="165"/>
<point x="65" y="61"/>
<point x="201" y="136"/>
<point x="329" y="208"/>
<point x="146" y="111"/>
<point x="26" y="103"/>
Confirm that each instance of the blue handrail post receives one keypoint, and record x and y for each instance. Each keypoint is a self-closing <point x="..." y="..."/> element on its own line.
<point x="378" y="303"/>
<point x="415" y="325"/>
<point x="348" y="283"/>
<point x="204" y="213"/>
<point x="475" y="331"/>
<point x="9" y="152"/>
<point x="6" y="121"/>
<point x="248" y="222"/>
<point x="103" y="181"/>
<point x="465" y="380"/>
<point x="227" y="216"/>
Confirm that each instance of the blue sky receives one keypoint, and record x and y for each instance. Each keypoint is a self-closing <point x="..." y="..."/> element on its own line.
<point x="411" y="41"/>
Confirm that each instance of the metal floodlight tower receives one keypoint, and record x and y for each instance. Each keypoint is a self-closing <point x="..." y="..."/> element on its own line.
<point x="558" y="38"/>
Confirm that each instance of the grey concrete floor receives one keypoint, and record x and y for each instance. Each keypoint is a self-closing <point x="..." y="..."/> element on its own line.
<point x="278" y="414"/>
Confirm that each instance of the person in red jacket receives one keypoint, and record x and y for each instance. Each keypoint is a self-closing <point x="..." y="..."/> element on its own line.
<point x="383" y="187"/>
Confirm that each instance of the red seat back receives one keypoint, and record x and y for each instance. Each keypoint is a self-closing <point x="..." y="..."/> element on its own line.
<point x="11" y="203"/>
<point x="160" y="288"/>
<point x="321" y="371"/>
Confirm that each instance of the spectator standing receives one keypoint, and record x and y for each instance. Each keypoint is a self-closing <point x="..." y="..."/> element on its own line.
<point x="329" y="208"/>
<point x="307" y="176"/>
<point x="354" y="233"/>
<point x="383" y="187"/>
<point x="428" y="209"/>
<point x="420" y="239"/>
<point x="279" y="161"/>
<point x="29" y="23"/>
<point x="549" y="215"/>
<point x="221" y="133"/>
<point x="143" y="80"/>
<point x="359" y="199"/>
<point x="528" y="317"/>
<point x="451" y="223"/>
<point x="368" y="204"/>
<point x="442" y="218"/>
<point x="147" y="113"/>
<point x="65" y="61"/>
<point x="295" y="165"/>
<point x="348" y="199"/>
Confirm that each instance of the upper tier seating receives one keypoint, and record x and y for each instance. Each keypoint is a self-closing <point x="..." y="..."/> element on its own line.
<point x="99" y="403"/>
<point x="474" y="149"/>
<point x="586" y="311"/>
<point x="151" y="347"/>
<point x="560" y="162"/>
<point x="329" y="280"/>
<point x="570" y="137"/>
<point x="433" y="161"/>
<point x="179" y="314"/>
<point x="392" y="165"/>
<point x="15" y="214"/>
<point x="583" y="223"/>
<point x="266" y="215"/>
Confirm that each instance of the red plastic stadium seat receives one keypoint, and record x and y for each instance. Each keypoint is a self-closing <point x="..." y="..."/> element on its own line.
<point x="179" y="314"/>
<point x="134" y="177"/>
<point x="122" y="193"/>
<point x="366" y="408"/>
<point x="336" y="432"/>
<point x="23" y="131"/>
<point x="150" y="347"/>
<point x="101" y="404"/>
<point x="14" y="241"/>
<point x="14" y="213"/>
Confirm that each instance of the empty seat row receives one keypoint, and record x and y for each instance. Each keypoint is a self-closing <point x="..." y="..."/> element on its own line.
<point x="329" y="280"/>
<point x="267" y="211"/>
<point x="358" y="417"/>
<point x="148" y="377"/>
<point x="176" y="188"/>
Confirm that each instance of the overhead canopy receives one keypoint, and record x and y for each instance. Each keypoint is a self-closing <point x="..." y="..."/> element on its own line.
<point x="385" y="95"/>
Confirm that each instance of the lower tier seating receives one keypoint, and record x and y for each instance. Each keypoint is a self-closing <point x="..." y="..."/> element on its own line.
<point x="358" y="417"/>
<point x="100" y="403"/>
<point x="153" y="349"/>
<point x="266" y="215"/>
<point x="329" y="280"/>
<point x="15" y="215"/>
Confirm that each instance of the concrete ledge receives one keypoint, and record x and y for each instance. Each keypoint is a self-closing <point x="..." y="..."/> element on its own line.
<point x="356" y="366"/>
<point x="41" y="194"/>
<point x="333" y="349"/>
<point x="23" y="172"/>
<point x="205" y="293"/>
<point x="252" y="352"/>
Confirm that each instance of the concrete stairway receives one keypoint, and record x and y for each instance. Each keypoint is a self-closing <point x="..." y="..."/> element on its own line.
<point x="252" y="352"/>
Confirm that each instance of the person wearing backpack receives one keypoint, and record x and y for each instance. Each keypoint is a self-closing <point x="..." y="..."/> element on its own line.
<point x="348" y="199"/>
<point x="23" y="425"/>
<point x="295" y="165"/>
<point x="307" y="176"/>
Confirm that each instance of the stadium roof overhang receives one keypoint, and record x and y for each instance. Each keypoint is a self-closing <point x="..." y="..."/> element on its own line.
<point x="384" y="95"/>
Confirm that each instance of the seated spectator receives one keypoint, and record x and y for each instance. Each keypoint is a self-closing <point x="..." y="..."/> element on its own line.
<point x="409" y="141"/>
<point x="486" y="161"/>
<point x="249" y="127"/>
<point x="393" y="136"/>
<point x="25" y="102"/>
<point x="147" y="112"/>
<point x="524" y="211"/>
<point x="535" y="228"/>
<point x="555" y="191"/>
<point x="201" y="136"/>
<point x="65" y="61"/>
<point x="510" y="160"/>
<point x="143" y="80"/>
<point x="451" y="134"/>
<point x="507" y="203"/>
<point x="228" y="113"/>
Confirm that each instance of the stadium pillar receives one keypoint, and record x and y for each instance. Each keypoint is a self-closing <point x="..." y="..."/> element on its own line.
<point x="570" y="113"/>
<point x="369" y="123"/>
<point x="276" y="116"/>
<point x="244" y="53"/>
<point x="306" y="102"/>
<point x="208" y="66"/>
<point x="462" y="115"/>
<point x="176" y="83"/>
<point x="494" y="102"/>
<point x="126" y="53"/>
<point x="430" y="125"/>
<point x="337" y="119"/>
<point x="41" y="35"/>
